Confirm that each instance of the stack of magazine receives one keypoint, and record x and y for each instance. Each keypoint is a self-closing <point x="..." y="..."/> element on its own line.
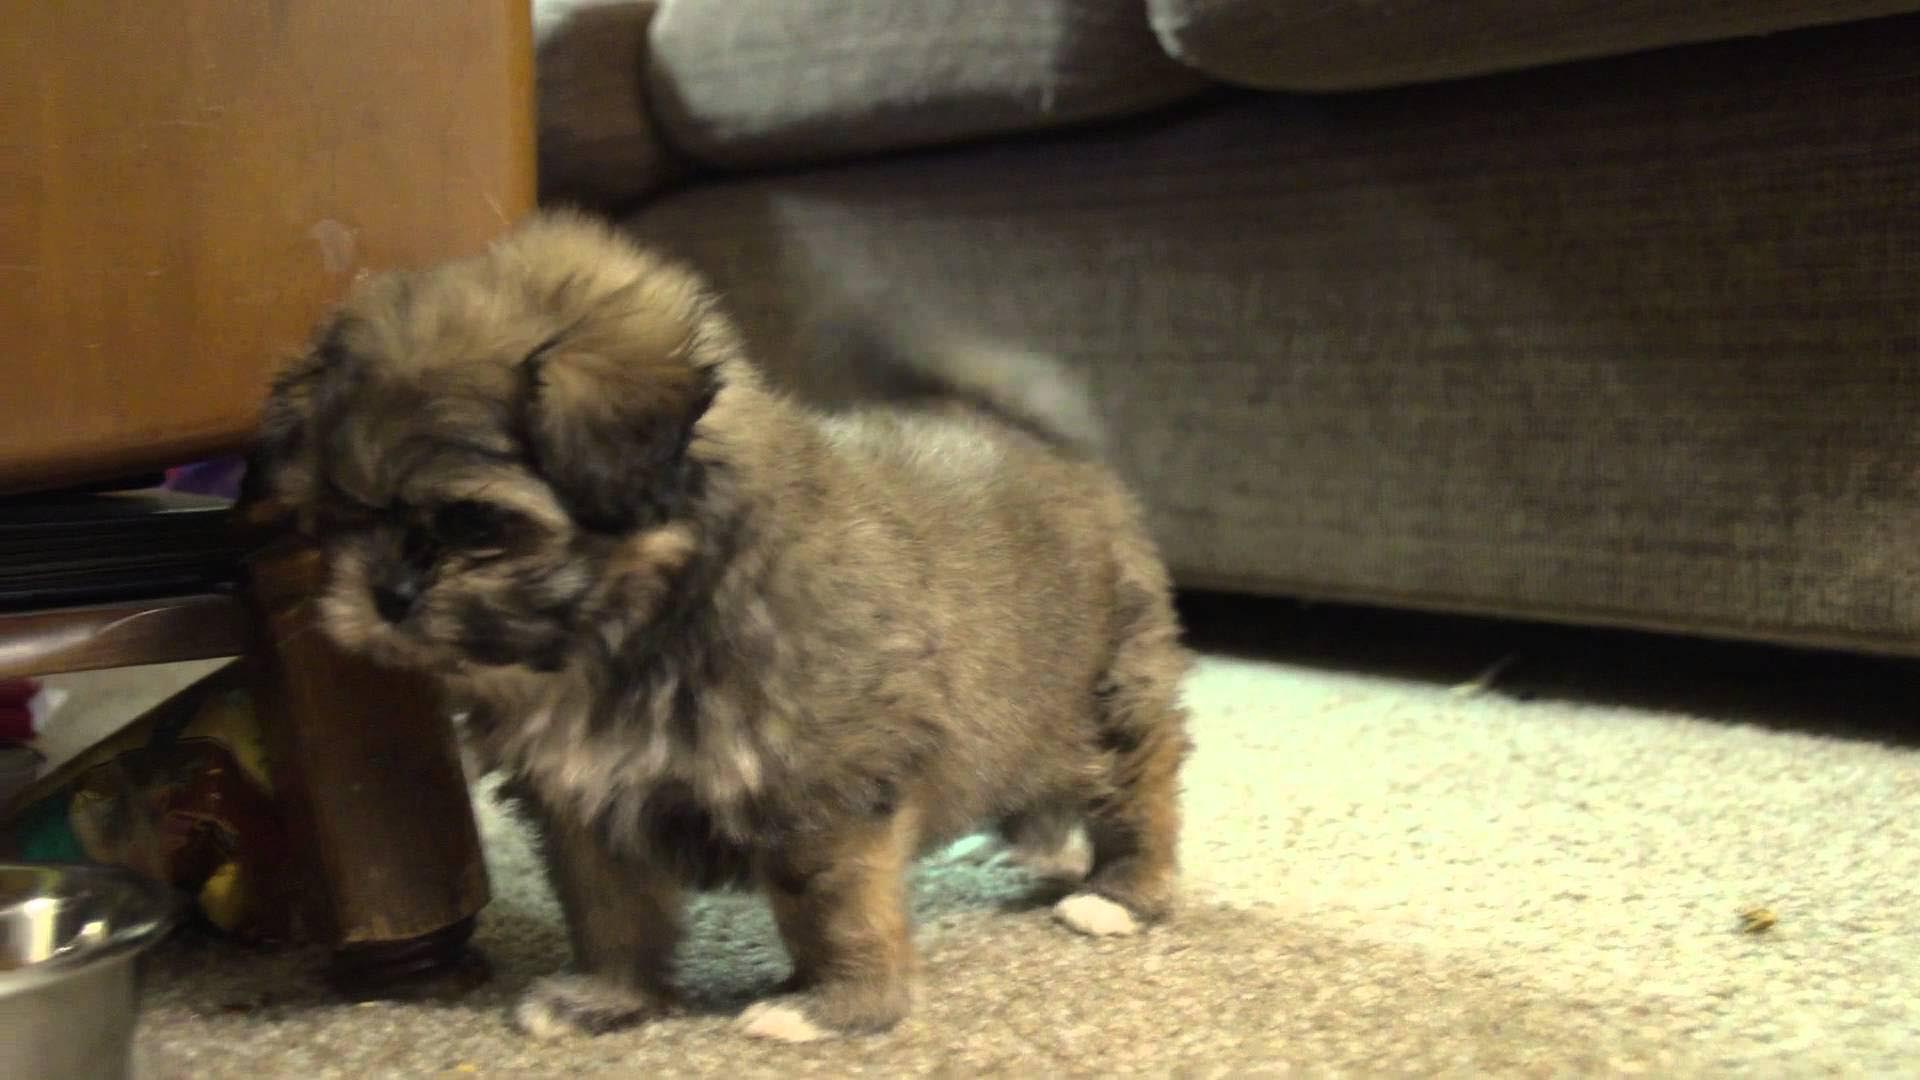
<point x="72" y="549"/>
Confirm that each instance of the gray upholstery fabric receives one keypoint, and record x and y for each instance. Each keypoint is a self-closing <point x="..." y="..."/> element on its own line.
<point x="597" y="145"/>
<point x="1352" y="44"/>
<point x="747" y="82"/>
<point x="1631" y="341"/>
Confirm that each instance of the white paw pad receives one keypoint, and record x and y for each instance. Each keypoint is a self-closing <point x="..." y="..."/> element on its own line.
<point x="780" y="1022"/>
<point x="540" y="1020"/>
<point x="1095" y="916"/>
<point x="566" y="1005"/>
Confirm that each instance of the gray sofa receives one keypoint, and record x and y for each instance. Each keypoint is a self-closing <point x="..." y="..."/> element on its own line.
<point x="1595" y="313"/>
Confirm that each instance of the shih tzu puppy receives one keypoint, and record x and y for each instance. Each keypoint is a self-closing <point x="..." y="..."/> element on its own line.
<point x="717" y="638"/>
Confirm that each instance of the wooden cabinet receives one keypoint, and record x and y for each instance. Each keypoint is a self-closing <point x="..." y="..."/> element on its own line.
<point x="186" y="185"/>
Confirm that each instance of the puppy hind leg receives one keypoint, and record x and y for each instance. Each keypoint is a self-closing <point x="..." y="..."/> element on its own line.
<point x="1134" y="835"/>
<point x="1134" y="828"/>
<point x="1051" y="844"/>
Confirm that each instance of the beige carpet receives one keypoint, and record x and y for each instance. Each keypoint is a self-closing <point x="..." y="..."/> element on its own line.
<point x="1388" y="873"/>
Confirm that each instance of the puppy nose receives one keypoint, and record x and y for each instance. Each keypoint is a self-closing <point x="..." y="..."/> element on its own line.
<point x="394" y="599"/>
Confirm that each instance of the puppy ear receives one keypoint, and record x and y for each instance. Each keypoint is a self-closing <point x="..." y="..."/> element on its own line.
<point x="610" y="434"/>
<point x="279" y="475"/>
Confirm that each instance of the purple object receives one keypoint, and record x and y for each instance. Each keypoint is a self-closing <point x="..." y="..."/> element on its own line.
<point x="219" y="477"/>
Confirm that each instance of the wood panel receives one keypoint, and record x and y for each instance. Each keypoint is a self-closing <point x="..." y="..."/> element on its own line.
<point x="368" y="771"/>
<point x="186" y="185"/>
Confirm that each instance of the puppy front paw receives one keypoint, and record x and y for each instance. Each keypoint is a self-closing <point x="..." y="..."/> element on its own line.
<point x="562" y="1006"/>
<point x="824" y="1014"/>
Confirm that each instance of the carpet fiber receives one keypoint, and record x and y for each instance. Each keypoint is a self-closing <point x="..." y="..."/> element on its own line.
<point x="1391" y="867"/>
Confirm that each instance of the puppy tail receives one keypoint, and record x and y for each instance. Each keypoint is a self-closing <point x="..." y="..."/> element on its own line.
<point x="867" y="359"/>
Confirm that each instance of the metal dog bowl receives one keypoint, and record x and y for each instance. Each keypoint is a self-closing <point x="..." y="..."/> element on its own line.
<point x="69" y="997"/>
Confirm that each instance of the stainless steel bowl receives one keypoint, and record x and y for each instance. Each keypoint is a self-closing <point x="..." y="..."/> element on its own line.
<point x="69" y="995"/>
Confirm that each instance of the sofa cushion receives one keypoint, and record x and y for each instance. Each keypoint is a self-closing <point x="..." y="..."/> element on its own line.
<point x="754" y="82"/>
<point x="597" y="144"/>
<point x="1358" y="44"/>
<point x="1629" y="341"/>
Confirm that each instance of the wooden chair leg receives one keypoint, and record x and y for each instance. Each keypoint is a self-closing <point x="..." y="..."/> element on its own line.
<point x="375" y="794"/>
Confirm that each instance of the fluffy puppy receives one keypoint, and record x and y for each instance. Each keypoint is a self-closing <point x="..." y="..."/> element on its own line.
<point x="720" y="639"/>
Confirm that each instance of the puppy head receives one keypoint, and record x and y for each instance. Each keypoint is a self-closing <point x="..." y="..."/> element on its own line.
<point x="492" y="451"/>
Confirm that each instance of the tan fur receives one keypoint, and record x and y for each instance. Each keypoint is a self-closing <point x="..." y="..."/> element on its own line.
<point x="624" y="951"/>
<point x="728" y="637"/>
<point x="847" y="928"/>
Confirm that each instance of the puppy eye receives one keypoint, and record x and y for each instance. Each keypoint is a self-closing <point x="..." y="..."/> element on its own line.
<point x="473" y="525"/>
